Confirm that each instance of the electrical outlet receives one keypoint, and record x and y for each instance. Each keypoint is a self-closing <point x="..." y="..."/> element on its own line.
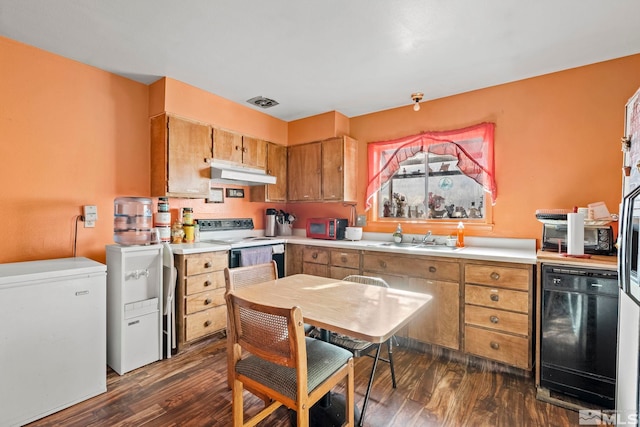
<point x="361" y="220"/>
<point x="90" y="215"/>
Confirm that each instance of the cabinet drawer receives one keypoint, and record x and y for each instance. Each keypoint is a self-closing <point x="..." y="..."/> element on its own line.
<point x="204" y="300"/>
<point x="204" y="282"/>
<point x="413" y="266"/>
<point x="498" y="276"/>
<point x="205" y="322"/>
<point x="341" y="272"/>
<point x="206" y="262"/>
<point x="315" y="269"/>
<point x="505" y="321"/>
<point x="506" y="348"/>
<point x="349" y="259"/>
<point x="503" y="299"/>
<point x="316" y="255"/>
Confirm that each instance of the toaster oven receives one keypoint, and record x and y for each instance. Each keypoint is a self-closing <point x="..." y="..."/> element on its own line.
<point x="598" y="240"/>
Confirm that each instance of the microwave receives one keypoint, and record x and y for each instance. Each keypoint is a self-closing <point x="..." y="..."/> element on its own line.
<point x="598" y="240"/>
<point x="326" y="228"/>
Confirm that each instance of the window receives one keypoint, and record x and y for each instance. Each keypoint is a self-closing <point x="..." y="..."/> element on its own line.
<point x="433" y="176"/>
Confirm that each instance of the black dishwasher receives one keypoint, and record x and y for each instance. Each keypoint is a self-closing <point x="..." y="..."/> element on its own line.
<point x="578" y="340"/>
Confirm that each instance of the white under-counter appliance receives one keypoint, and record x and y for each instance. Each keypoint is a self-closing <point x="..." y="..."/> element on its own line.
<point x="237" y="233"/>
<point x="134" y="306"/>
<point x="52" y="336"/>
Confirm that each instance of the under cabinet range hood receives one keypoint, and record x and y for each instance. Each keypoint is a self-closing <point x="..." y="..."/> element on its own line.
<point x="227" y="173"/>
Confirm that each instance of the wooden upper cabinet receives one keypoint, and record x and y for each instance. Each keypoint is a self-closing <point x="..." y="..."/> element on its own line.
<point x="304" y="172"/>
<point x="323" y="171"/>
<point x="236" y="148"/>
<point x="227" y="145"/>
<point x="180" y="154"/>
<point x="276" y="166"/>
<point x="254" y="152"/>
<point x="339" y="169"/>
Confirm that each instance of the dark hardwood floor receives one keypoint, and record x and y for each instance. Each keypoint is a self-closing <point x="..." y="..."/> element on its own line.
<point x="190" y="390"/>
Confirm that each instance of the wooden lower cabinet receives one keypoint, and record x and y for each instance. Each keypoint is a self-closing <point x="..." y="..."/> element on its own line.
<point x="498" y="312"/>
<point x="315" y="261"/>
<point x="330" y="262"/>
<point x="200" y="307"/>
<point x="439" y="322"/>
<point x="293" y="259"/>
<point x="480" y="308"/>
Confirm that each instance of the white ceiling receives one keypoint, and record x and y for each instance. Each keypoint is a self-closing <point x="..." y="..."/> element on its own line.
<point x="353" y="56"/>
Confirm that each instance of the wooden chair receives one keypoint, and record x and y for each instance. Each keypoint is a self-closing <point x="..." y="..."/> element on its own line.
<point x="236" y="278"/>
<point x="282" y="363"/>
<point x="362" y="348"/>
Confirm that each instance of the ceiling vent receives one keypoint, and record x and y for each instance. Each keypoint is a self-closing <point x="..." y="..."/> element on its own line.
<point x="263" y="102"/>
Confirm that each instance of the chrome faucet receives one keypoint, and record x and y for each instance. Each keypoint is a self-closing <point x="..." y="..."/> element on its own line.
<point x="425" y="240"/>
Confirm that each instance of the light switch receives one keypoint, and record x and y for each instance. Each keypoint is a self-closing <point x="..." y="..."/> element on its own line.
<point x="90" y="216"/>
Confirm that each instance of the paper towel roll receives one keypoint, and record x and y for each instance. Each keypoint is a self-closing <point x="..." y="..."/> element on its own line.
<point x="575" y="234"/>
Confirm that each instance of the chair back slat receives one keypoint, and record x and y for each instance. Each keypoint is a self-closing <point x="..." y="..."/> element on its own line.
<point x="367" y="280"/>
<point x="236" y="278"/>
<point x="271" y="333"/>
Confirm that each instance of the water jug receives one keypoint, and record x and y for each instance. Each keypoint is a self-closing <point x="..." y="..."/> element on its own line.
<point x="133" y="221"/>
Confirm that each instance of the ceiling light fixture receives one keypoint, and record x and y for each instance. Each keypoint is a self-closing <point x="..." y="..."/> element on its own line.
<point x="417" y="97"/>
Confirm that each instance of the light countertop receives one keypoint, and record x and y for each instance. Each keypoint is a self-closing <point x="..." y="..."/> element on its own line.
<point x="594" y="261"/>
<point x="484" y="249"/>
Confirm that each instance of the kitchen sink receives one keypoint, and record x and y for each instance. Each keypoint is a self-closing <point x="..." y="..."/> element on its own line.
<point x="418" y="246"/>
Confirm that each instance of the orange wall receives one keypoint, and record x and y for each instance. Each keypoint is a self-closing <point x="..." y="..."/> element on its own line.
<point x="557" y="142"/>
<point x="76" y="135"/>
<point x="318" y="127"/>
<point x="72" y="135"/>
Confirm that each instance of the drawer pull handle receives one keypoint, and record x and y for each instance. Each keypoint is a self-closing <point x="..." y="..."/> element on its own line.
<point x="208" y="301"/>
<point x="314" y="255"/>
<point x="494" y="319"/>
<point x="207" y="265"/>
<point x="494" y="345"/>
<point x="207" y="283"/>
<point x="495" y="276"/>
<point x="383" y="264"/>
<point x="207" y="323"/>
<point x="432" y="269"/>
<point x="343" y="258"/>
<point x="494" y="297"/>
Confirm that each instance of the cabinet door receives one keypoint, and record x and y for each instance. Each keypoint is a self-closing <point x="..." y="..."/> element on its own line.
<point x="304" y="172"/>
<point x="332" y="169"/>
<point x="189" y="152"/>
<point x="254" y="152"/>
<point x="339" y="169"/>
<point x="276" y="166"/>
<point x="439" y="322"/>
<point x="227" y="145"/>
<point x="180" y="153"/>
<point x="293" y="256"/>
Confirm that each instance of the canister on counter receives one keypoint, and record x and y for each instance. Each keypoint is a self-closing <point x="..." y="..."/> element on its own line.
<point x="187" y="216"/>
<point x="163" y="204"/>
<point x="188" y="233"/>
<point x="164" y="233"/>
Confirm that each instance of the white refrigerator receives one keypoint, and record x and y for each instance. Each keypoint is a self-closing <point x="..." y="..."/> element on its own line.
<point x="628" y="367"/>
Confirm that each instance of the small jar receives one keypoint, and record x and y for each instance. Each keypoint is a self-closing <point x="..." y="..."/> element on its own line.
<point x="177" y="233"/>
<point x="163" y="204"/>
<point x="187" y="216"/>
<point x="188" y="233"/>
